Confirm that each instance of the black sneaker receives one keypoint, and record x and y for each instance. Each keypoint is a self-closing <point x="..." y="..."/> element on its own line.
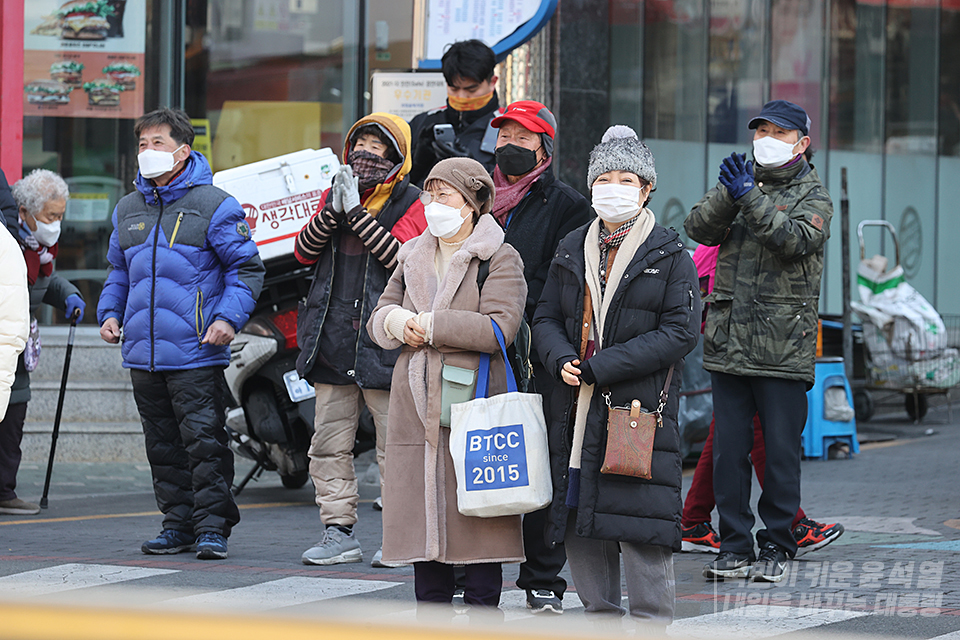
<point x="728" y="565"/>
<point x="771" y="565"/>
<point x="169" y="541"/>
<point x="543" y="601"/>
<point x="211" y="546"/>
<point x="459" y="606"/>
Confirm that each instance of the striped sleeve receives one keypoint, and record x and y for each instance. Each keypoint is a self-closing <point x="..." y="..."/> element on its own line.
<point x="314" y="236"/>
<point x="378" y="240"/>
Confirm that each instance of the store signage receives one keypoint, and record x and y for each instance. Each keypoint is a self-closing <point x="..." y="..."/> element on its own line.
<point x="502" y="24"/>
<point x="407" y="94"/>
<point x="84" y="58"/>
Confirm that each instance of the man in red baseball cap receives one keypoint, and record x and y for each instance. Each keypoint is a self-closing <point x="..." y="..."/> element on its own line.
<point x="536" y="211"/>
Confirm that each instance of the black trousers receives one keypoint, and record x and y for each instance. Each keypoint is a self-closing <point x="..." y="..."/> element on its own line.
<point x="183" y="415"/>
<point x="543" y="565"/>
<point x="11" y="434"/>
<point x="434" y="582"/>
<point x="782" y="407"/>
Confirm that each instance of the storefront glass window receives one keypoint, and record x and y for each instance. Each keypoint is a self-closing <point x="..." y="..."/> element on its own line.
<point x="738" y="74"/>
<point x="673" y="88"/>
<point x="267" y="77"/>
<point x="260" y="78"/>
<point x="796" y="46"/>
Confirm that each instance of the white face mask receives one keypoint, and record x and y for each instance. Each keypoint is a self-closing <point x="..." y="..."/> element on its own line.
<point x="155" y="163"/>
<point x="770" y="152"/>
<point x="443" y="220"/>
<point x="47" y="233"/>
<point x="615" y="203"/>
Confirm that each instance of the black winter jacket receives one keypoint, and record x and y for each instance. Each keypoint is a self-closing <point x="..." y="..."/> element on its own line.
<point x="550" y="210"/>
<point x="373" y="366"/>
<point x="653" y="322"/>
<point x="474" y="136"/>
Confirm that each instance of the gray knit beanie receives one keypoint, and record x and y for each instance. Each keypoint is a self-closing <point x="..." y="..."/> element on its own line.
<point x="467" y="176"/>
<point x="621" y="150"/>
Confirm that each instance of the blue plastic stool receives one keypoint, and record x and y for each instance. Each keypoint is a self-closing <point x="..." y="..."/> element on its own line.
<point x="819" y="433"/>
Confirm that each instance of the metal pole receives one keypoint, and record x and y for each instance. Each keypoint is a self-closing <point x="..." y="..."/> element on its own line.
<point x="845" y="253"/>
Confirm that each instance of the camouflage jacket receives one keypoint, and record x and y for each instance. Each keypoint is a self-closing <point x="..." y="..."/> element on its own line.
<point x="763" y="314"/>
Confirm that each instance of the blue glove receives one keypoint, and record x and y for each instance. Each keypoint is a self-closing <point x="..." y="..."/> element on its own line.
<point x="737" y="175"/>
<point x="75" y="303"/>
<point x="350" y="189"/>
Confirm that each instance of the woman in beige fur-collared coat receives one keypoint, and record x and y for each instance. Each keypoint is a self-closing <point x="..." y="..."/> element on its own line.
<point x="434" y="308"/>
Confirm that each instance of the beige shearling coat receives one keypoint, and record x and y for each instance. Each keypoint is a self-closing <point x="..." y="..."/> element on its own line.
<point x="420" y="517"/>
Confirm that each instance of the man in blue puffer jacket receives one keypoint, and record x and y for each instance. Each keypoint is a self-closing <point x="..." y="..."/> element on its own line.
<point x="185" y="278"/>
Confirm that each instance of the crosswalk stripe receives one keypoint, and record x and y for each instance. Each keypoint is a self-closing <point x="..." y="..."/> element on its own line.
<point x="757" y="621"/>
<point x="285" y="592"/>
<point x="65" y="577"/>
<point x="955" y="635"/>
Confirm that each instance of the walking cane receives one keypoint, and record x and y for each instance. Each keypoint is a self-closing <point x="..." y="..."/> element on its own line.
<point x="56" y="418"/>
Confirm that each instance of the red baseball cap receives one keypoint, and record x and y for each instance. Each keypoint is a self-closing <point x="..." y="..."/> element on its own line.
<point x="530" y="114"/>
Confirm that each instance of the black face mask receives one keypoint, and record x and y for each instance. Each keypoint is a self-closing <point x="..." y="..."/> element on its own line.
<point x="516" y="161"/>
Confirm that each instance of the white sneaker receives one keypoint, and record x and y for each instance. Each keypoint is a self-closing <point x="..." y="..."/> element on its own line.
<point x="378" y="504"/>
<point x="336" y="547"/>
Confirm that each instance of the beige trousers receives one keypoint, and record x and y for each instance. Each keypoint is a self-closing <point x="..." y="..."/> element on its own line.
<point x="331" y="448"/>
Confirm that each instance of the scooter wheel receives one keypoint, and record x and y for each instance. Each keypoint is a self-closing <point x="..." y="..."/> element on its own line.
<point x="295" y="480"/>
<point x="863" y="405"/>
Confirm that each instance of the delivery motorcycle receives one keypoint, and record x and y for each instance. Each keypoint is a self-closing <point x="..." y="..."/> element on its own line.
<point x="271" y="417"/>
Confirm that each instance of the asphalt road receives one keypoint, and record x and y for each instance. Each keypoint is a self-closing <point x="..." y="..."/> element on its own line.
<point x="893" y="573"/>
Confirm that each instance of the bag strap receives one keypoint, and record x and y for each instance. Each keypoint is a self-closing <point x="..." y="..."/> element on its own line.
<point x="483" y="374"/>
<point x="666" y="389"/>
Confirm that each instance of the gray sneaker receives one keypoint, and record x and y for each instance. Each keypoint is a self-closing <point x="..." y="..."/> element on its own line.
<point x="18" y="507"/>
<point x="336" y="547"/>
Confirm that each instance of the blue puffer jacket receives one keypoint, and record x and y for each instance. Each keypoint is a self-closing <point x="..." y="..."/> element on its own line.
<point x="182" y="258"/>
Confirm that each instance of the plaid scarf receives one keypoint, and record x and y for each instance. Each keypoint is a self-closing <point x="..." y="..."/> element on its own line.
<point x="611" y="240"/>
<point x="370" y="168"/>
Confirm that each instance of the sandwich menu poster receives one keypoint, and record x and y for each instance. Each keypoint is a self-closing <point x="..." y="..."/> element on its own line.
<point x="84" y="58"/>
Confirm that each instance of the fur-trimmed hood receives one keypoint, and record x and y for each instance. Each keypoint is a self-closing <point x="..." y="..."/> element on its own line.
<point x="417" y="264"/>
<point x="420" y="272"/>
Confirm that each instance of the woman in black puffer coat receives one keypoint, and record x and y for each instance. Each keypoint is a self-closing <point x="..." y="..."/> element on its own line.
<point x="620" y="307"/>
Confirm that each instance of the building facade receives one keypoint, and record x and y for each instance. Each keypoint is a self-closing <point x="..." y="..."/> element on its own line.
<point x="879" y="78"/>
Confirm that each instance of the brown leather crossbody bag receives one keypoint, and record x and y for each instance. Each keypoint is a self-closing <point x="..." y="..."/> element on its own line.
<point x="630" y="434"/>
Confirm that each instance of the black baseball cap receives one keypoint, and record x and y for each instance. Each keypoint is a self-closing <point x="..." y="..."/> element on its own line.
<point x="783" y="114"/>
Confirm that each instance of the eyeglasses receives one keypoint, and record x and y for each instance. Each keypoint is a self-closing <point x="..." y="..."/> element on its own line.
<point x="426" y="197"/>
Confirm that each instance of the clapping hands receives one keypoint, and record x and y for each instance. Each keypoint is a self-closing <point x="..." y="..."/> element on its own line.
<point x="736" y="174"/>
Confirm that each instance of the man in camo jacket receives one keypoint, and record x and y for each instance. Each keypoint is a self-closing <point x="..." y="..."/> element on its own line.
<point x="771" y="224"/>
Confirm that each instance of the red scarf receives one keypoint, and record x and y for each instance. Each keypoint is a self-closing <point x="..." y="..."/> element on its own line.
<point x="35" y="268"/>
<point x="510" y="195"/>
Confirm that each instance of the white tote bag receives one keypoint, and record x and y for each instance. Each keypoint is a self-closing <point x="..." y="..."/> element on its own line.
<point x="499" y="448"/>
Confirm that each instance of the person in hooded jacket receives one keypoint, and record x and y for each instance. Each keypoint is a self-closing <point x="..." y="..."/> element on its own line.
<point x="353" y="240"/>
<point x="536" y="211"/>
<point x="185" y="277"/>
<point x="620" y="308"/>
<point x="439" y="315"/>
<point x="39" y="202"/>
